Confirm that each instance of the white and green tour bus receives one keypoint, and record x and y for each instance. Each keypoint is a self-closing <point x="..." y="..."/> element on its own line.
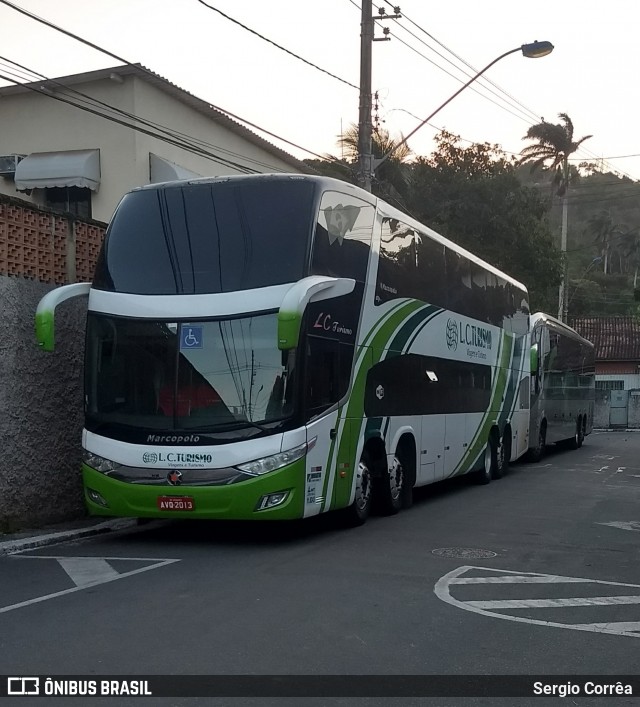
<point x="562" y="385"/>
<point x="279" y="346"/>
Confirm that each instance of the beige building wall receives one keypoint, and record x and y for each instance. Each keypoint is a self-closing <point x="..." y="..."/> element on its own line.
<point x="32" y="122"/>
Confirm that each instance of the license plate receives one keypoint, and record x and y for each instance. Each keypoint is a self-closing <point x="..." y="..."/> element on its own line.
<point x="175" y="503"/>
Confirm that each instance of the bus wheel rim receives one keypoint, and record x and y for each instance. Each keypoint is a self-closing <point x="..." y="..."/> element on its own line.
<point x="488" y="459"/>
<point x="396" y="478"/>
<point x="363" y="486"/>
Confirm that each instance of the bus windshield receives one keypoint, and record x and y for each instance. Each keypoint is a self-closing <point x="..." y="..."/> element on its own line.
<point x="208" y="237"/>
<point x="174" y="376"/>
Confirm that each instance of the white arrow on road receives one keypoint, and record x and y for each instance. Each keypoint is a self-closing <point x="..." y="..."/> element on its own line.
<point x="87" y="572"/>
<point x="490" y="607"/>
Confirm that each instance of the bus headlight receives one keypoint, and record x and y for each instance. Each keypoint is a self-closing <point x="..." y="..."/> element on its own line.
<point x="276" y="461"/>
<point x="99" y="463"/>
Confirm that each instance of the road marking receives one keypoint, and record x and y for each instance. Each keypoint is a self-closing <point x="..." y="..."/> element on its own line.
<point x="516" y="579"/>
<point x="552" y="603"/>
<point x="454" y="581"/>
<point x="624" y="525"/>
<point x="87" y="572"/>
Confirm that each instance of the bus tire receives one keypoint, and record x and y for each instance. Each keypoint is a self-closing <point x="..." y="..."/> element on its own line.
<point x="574" y="442"/>
<point x="500" y="466"/>
<point x="391" y="486"/>
<point x="580" y="432"/>
<point x="536" y="453"/>
<point x="484" y="475"/>
<point x="358" y="512"/>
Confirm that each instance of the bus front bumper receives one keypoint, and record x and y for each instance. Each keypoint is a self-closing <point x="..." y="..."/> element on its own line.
<point x="246" y="500"/>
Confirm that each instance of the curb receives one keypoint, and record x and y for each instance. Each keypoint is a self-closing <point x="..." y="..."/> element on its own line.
<point x="10" y="547"/>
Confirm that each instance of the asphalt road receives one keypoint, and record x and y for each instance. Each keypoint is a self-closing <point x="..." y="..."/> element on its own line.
<point x="536" y="574"/>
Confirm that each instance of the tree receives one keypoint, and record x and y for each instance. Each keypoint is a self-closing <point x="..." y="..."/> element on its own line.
<point x="472" y="195"/>
<point x="554" y="144"/>
<point x="605" y="231"/>
<point x="392" y="177"/>
<point x="631" y="248"/>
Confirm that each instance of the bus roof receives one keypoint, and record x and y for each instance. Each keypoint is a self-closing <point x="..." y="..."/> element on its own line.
<point x="547" y="320"/>
<point x="332" y="183"/>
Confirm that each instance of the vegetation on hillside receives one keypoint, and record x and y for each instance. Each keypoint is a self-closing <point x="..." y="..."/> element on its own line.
<point x="498" y="208"/>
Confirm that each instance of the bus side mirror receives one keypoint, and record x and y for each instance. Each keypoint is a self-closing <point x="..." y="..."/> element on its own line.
<point x="310" y="289"/>
<point x="45" y="312"/>
<point x="534" y="359"/>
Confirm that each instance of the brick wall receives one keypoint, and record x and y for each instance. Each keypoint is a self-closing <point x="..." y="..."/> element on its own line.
<point x="39" y="244"/>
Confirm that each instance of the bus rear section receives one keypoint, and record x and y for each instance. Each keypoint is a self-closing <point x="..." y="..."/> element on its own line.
<point x="562" y="385"/>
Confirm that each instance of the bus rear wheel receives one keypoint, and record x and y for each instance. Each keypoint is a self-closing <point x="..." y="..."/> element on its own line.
<point x="391" y="488"/>
<point x="485" y="474"/>
<point x="502" y="454"/>
<point x="576" y="441"/>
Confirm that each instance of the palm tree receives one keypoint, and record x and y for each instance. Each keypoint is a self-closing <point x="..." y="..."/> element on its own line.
<point x="392" y="178"/>
<point x="605" y="231"/>
<point x="554" y="144"/>
<point x="631" y="247"/>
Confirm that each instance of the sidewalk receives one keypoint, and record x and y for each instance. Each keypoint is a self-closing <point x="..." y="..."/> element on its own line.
<point x="61" y="532"/>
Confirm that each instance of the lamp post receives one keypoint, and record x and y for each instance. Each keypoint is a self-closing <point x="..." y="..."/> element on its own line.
<point x="534" y="50"/>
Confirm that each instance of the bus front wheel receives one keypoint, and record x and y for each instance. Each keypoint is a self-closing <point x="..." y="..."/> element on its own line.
<point x="358" y="512"/>
<point x="536" y="453"/>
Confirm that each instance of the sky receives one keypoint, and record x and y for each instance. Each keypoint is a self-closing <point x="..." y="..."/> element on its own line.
<point x="590" y="75"/>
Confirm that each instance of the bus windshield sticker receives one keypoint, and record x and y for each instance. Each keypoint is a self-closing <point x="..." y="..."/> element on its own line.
<point x="340" y="220"/>
<point x="191" y="337"/>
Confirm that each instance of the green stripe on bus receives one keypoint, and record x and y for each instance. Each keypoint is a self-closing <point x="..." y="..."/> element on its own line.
<point x="347" y="443"/>
<point x="482" y="433"/>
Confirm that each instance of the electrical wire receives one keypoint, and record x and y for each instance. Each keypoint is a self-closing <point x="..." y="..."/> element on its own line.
<point x="84" y="99"/>
<point x="588" y="155"/>
<point x="279" y="46"/>
<point x="472" y="88"/>
<point x="177" y="143"/>
<point x="149" y="73"/>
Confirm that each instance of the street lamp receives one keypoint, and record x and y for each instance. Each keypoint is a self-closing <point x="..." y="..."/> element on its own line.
<point x="535" y="50"/>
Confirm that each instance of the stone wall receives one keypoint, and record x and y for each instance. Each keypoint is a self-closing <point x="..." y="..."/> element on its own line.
<point x="40" y="410"/>
<point x="602" y="409"/>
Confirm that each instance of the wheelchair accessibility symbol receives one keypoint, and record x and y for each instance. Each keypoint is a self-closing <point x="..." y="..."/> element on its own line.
<point x="191" y="337"/>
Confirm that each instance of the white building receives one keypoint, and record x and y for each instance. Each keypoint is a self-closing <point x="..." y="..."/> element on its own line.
<point x="59" y="155"/>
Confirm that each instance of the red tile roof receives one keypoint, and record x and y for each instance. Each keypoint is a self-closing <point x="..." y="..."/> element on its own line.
<point x="614" y="338"/>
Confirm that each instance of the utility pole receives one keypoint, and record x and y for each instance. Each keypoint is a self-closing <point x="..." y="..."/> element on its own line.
<point x="365" y="126"/>
<point x="563" y="303"/>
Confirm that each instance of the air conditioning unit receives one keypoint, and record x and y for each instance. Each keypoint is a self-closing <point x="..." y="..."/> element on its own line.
<point x="8" y="164"/>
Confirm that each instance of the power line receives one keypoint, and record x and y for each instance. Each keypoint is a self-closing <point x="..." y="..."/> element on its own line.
<point x="139" y="67"/>
<point x="507" y="99"/>
<point x="275" y="44"/>
<point x="589" y="155"/>
<point x="84" y="99"/>
<point x="162" y="128"/>
<point x="475" y="90"/>
<point x="468" y="65"/>
<point x="177" y="143"/>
